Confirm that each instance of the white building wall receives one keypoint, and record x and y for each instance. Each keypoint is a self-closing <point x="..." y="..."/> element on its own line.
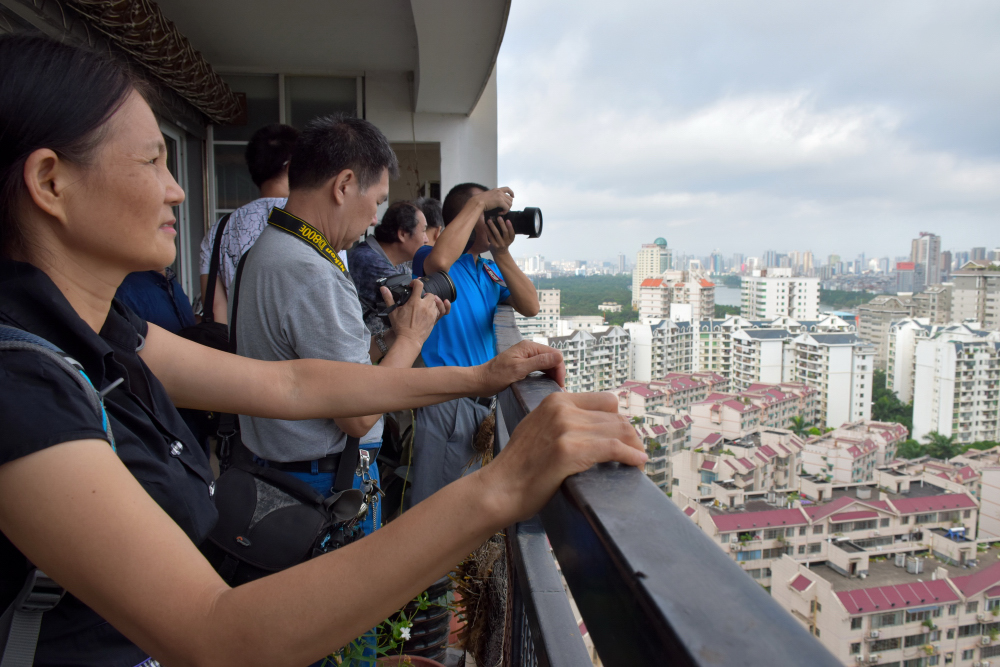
<point x="641" y="355"/>
<point x="989" y="511"/>
<point x="933" y="389"/>
<point x="468" y="143"/>
<point x="772" y="361"/>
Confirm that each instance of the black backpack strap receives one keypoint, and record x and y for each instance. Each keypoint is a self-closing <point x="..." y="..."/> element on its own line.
<point x="21" y="622"/>
<point x="348" y="464"/>
<point x="207" y="312"/>
<point x="234" y="298"/>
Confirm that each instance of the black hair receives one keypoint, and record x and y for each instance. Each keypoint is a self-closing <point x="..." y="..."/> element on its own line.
<point x="269" y="151"/>
<point x="431" y="208"/>
<point x="331" y="144"/>
<point x="457" y="198"/>
<point x="55" y="96"/>
<point x="400" y="217"/>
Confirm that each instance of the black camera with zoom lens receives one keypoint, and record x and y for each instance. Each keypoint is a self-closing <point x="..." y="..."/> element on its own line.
<point x="527" y="222"/>
<point x="439" y="284"/>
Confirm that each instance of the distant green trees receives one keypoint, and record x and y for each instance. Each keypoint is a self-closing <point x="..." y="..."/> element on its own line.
<point x="580" y="295"/>
<point x="725" y="311"/>
<point x="941" y="446"/>
<point x="842" y="299"/>
<point x="886" y="407"/>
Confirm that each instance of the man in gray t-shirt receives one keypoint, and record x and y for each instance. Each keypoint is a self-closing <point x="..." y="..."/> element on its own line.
<point x="296" y="299"/>
<point x="294" y="304"/>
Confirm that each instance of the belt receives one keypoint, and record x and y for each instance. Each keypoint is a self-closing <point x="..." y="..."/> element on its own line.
<point x="326" y="464"/>
<point x="486" y="401"/>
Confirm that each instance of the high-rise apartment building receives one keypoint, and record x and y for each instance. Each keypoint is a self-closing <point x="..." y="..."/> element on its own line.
<point x="946" y="265"/>
<point x="654" y="300"/>
<point x="621" y="263"/>
<point x="841" y="367"/>
<point x="876" y="317"/>
<point x="772" y="293"/>
<point x="907" y="334"/>
<point x="597" y="361"/>
<point x="934" y="303"/>
<point x="926" y="250"/>
<point x="911" y="277"/>
<point x="977" y="254"/>
<point x="680" y="295"/>
<point x="546" y="322"/>
<point x="660" y="348"/>
<point x="956" y="388"/>
<point x="650" y="262"/>
<point x="976" y="294"/>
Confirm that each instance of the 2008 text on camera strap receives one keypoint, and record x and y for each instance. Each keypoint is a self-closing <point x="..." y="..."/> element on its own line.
<point x="299" y="228"/>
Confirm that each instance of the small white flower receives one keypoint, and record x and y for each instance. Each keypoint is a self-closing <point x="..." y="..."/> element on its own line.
<point x="404" y="633"/>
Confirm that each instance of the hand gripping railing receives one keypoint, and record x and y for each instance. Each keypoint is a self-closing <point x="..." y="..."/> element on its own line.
<point x="653" y="589"/>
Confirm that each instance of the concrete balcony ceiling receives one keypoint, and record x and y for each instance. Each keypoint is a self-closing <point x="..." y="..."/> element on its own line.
<point x="450" y="45"/>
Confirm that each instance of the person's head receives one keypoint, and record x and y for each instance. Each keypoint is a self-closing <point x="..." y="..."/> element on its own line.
<point x="268" y="154"/>
<point x="404" y="227"/>
<point x="453" y="204"/>
<point x="345" y="163"/>
<point x="83" y="164"/>
<point x="431" y="208"/>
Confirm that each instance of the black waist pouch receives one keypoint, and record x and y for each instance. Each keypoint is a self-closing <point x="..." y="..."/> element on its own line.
<point x="270" y="521"/>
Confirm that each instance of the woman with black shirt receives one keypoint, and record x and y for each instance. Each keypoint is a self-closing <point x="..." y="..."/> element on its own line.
<point x="85" y="199"/>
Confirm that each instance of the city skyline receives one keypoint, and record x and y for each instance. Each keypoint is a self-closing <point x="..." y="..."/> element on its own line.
<point x="849" y="128"/>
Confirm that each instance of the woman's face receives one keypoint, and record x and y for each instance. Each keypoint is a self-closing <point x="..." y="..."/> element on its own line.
<point x="120" y="212"/>
<point x="410" y="243"/>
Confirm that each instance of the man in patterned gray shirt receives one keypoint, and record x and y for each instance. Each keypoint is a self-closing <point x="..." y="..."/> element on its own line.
<point x="267" y="156"/>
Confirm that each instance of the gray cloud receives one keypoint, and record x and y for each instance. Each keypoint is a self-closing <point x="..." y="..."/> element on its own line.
<point x="838" y="127"/>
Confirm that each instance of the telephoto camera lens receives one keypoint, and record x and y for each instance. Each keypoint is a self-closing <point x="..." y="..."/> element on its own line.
<point x="441" y="285"/>
<point x="527" y="222"/>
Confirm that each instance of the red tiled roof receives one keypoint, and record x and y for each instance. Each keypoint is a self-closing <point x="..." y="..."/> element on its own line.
<point x="971" y="584"/>
<point x="659" y="430"/>
<point x="768" y="451"/>
<point x="967" y="473"/>
<point x="746" y="463"/>
<point x="993" y="592"/>
<point x="950" y="501"/>
<point x="689" y="511"/>
<point x="823" y="511"/>
<point x="727" y="523"/>
<point x="902" y="596"/>
<point x="711" y="439"/>
<point x="677" y="424"/>
<point x="800" y="583"/>
<point x="760" y="456"/>
<point x="705" y="283"/>
<point x="651" y="282"/>
<point x="853" y="516"/>
<point x="708" y="465"/>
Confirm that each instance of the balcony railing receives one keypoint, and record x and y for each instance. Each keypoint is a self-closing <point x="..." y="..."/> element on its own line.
<point x="652" y="588"/>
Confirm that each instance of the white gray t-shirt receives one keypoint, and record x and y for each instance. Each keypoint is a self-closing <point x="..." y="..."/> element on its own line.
<point x="294" y="304"/>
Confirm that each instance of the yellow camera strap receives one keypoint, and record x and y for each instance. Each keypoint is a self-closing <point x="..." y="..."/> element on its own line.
<point x="301" y="229"/>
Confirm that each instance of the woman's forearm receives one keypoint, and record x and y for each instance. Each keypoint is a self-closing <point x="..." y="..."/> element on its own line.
<point x="199" y="377"/>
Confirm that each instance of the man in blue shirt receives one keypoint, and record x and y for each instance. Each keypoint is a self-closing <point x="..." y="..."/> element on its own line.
<point x="444" y="433"/>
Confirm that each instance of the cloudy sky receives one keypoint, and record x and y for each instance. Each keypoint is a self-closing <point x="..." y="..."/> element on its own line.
<point x="837" y="127"/>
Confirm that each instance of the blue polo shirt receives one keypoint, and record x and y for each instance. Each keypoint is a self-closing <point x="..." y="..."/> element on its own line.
<point x="465" y="337"/>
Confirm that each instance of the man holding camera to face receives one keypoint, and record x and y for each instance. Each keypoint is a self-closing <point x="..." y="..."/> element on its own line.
<point x="443" y="435"/>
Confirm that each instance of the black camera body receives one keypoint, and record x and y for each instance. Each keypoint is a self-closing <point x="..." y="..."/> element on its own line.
<point x="439" y="284"/>
<point x="527" y="222"/>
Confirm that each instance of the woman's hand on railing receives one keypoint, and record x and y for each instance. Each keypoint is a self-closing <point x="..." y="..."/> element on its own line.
<point x="517" y="362"/>
<point x="564" y="435"/>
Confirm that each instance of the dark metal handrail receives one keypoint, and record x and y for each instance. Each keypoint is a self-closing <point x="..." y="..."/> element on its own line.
<point x="653" y="589"/>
